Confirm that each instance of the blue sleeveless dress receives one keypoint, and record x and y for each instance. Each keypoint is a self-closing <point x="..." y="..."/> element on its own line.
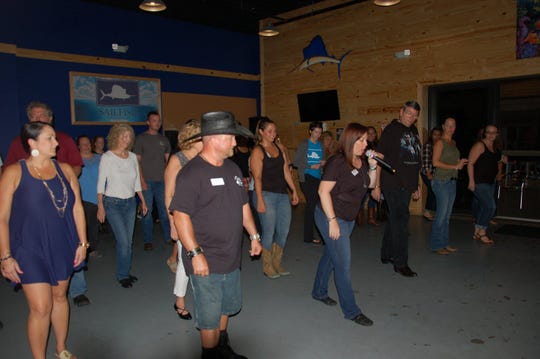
<point x="42" y="242"/>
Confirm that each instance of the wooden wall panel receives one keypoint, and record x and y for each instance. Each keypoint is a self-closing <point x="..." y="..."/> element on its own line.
<point x="180" y="107"/>
<point x="451" y="41"/>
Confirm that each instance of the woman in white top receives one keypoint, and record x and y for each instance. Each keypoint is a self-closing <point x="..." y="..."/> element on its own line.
<point x="118" y="181"/>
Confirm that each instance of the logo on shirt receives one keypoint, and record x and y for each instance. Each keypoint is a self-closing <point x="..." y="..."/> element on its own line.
<point x="314" y="156"/>
<point x="410" y="148"/>
<point x="239" y="181"/>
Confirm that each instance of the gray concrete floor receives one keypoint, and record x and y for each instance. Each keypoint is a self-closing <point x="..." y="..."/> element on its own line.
<point x="481" y="302"/>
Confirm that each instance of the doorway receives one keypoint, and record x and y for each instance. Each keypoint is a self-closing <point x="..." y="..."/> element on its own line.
<point x="477" y="104"/>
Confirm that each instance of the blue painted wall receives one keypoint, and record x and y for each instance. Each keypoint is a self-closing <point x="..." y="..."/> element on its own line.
<point x="78" y="27"/>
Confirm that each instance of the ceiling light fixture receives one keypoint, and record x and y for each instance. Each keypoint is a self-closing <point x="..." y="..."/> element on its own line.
<point x="152" y="5"/>
<point x="386" y="2"/>
<point x="268" y="30"/>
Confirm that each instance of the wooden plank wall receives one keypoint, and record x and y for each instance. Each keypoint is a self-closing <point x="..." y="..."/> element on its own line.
<point x="180" y="107"/>
<point x="450" y="42"/>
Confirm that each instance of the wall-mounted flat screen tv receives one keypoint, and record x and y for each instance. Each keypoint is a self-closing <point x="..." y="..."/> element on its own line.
<point x="318" y="106"/>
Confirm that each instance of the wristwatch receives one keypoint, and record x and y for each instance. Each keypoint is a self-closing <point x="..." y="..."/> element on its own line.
<point x="194" y="252"/>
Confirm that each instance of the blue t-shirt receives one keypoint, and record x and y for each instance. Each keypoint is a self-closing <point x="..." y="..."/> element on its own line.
<point x="314" y="157"/>
<point x="89" y="178"/>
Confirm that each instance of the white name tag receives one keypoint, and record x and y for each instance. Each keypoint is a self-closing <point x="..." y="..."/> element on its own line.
<point x="217" y="181"/>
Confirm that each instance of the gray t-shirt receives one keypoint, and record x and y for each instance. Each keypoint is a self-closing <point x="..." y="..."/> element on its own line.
<point x="152" y="149"/>
<point x="213" y="197"/>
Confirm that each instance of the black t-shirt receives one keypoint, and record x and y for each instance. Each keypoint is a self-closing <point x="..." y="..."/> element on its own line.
<point x="402" y="149"/>
<point x="213" y="197"/>
<point x="351" y="185"/>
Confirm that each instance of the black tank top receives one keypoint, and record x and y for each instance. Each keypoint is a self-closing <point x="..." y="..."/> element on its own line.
<point x="485" y="168"/>
<point x="273" y="178"/>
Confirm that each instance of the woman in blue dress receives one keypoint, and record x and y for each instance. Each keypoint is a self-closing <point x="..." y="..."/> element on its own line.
<point x="42" y="235"/>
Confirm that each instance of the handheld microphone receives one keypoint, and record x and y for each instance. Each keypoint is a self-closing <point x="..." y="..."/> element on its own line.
<point x="380" y="161"/>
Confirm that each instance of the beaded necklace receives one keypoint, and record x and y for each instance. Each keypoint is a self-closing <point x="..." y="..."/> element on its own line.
<point x="59" y="204"/>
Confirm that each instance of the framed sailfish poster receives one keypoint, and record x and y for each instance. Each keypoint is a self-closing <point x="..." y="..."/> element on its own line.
<point x="98" y="99"/>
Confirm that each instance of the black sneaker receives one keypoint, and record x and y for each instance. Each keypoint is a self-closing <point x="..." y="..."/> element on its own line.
<point x="81" y="300"/>
<point x="362" y="320"/>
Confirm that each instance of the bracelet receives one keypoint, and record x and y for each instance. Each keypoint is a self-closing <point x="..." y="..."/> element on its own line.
<point x="330" y="219"/>
<point x="6" y="258"/>
<point x="194" y="252"/>
<point x="84" y="245"/>
<point x="372" y="168"/>
<point x="255" y="236"/>
<point x="377" y="186"/>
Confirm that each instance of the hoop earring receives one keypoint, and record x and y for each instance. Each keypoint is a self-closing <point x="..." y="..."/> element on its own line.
<point x="34" y="152"/>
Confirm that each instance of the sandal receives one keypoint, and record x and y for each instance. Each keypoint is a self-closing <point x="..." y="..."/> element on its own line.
<point x="483" y="238"/>
<point x="182" y="312"/>
<point x="65" y="354"/>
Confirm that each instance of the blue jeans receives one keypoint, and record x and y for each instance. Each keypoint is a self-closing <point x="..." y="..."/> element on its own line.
<point x="337" y="258"/>
<point x="276" y="220"/>
<point x="77" y="285"/>
<point x="155" y="191"/>
<point x="395" y="243"/>
<point x="445" y="192"/>
<point x="121" y="215"/>
<point x="485" y="206"/>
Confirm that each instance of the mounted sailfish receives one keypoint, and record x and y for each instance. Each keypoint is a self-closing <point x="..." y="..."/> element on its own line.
<point x="315" y="53"/>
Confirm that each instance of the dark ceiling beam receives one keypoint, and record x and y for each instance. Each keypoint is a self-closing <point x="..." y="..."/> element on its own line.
<point x="316" y="12"/>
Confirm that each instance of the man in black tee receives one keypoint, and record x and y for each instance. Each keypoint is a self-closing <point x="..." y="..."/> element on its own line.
<point x="210" y="207"/>
<point x="401" y="147"/>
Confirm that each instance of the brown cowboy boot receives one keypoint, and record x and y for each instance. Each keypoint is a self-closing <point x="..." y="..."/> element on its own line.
<point x="277" y="255"/>
<point x="268" y="268"/>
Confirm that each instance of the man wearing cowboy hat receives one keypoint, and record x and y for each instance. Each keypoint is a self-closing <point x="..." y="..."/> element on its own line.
<point x="210" y="207"/>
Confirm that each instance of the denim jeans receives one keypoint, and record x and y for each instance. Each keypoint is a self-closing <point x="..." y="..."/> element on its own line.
<point x="431" y="201"/>
<point x="275" y="222"/>
<point x="337" y="258"/>
<point x="310" y="188"/>
<point x="485" y="206"/>
<point x="445" y="192"/>
<point x="395" y="243"/>
<point x="77" y="285"/>
<point x="121" y="215"/>
<point x="155" y="191"/>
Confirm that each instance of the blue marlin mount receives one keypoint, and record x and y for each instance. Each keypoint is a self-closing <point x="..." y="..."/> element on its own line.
<point x="315" y="53"/>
